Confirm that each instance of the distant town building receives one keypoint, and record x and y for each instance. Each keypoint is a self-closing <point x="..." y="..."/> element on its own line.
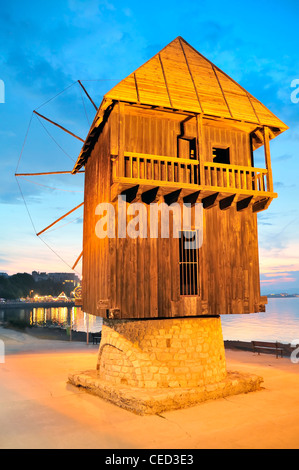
<point x="56" y="277"/>
<point x="37" y="276"/>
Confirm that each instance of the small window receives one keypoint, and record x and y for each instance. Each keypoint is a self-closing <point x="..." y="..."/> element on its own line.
<point x="221" y="155"/>
<point x="188" y="259"/>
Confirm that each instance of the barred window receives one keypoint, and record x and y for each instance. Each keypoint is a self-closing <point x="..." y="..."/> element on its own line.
<point x="188" y="259"/>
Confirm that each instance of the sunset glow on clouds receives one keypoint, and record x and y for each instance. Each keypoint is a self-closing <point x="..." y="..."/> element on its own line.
<point x="280" y="267"/>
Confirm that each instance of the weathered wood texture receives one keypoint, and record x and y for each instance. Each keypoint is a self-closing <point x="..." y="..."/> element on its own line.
<point x="140" y="278"/>
<point x="95" y="267"/>
<point x="179" y="77"/>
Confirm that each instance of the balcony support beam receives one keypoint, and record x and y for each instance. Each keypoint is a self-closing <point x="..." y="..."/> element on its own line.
<point x="261" y="205"/>
<point x="192" y="198"/>
<point x="172" y="197"/>
<point x="131" y="194"/>
<point x="210" y="201"/>
<point x="227" y="202"/>
<point x="152" y="195"/>
<point x="244" y="203"/>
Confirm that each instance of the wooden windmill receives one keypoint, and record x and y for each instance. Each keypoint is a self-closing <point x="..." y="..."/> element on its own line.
<point x="177" y="129"/>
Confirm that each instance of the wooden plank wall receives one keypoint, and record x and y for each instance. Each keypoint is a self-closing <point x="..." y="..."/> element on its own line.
<point x="134" y="271"/>
<point x="237" y="140"/>
<point x="230" y="274"/>
<point x="152" y="134"/>
<point x="147" y="270"/>
<point x="141" y="276"/>
<point x="95" y="271"/>
<point x="156" y="133"/>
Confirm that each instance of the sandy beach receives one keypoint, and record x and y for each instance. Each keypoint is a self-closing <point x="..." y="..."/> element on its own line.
<point x="40" y="410"/>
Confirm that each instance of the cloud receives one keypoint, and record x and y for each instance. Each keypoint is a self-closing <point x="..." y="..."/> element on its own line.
<point x="278" y="259"/>
<point x="275" y="281"/>
<point x="282" y="281"/>
<point x="286" y="156"/>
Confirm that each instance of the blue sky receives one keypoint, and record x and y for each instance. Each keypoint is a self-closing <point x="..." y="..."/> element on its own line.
<point x="45" y="47"/>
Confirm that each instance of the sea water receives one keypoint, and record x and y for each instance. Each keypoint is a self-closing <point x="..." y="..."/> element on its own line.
<point x="280" y="322"/>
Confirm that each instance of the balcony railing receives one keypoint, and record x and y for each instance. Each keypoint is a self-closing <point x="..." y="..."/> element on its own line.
<point x="154" y="170"/>
<point x="235" y="177"/>
<point x="160" y="169"/>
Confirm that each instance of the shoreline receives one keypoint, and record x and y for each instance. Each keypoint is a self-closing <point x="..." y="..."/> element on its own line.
<point x="29" y="305"/>
<point x="60" y="334"/>
<point x="52" y="333"/>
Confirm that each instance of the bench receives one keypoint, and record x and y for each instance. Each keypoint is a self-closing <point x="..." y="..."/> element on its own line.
<point x="96" y="337"/>
<point x="263" y="346"/>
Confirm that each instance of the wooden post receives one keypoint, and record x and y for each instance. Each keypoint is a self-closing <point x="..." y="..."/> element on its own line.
<point x="78" y="259"/>
<point x="60" y="218"/>
<point x="58" y="125"/>
<point x="268" y="160"/>
<point x="121" y="139"/>
<point x="84" y="89"/>
<point x="200" y="147"/>
<point x="87" y="328"/>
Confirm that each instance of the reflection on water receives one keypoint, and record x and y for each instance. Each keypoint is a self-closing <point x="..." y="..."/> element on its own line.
<point x="280" y="323"/>
<point x="55" y="317"/>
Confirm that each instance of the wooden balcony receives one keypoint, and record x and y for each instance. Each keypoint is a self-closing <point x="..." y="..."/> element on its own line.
<point x="211" y="183"/>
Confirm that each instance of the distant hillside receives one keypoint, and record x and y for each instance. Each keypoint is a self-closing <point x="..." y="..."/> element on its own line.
<point x="23" y="285"/>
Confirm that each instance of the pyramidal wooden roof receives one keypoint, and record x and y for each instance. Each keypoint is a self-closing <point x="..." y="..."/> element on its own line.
<point x="181" y="78"/>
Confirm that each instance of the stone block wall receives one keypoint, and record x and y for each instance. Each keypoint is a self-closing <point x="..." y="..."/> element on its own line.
<point x="158" y="353"/>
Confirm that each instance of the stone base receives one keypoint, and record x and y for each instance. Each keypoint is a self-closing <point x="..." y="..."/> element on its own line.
<point x="148" y="401"/>
<point x="162" y="353"/>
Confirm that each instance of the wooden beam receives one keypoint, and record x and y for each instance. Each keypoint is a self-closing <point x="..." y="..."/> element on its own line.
<point x="136" y="86"/>
<point x="271" y="134"/>
<point x="244" y="203"/>
<point x="200" y="147"/>
<point x="150" y="196"/>
<point x="60" y="218"/>
<point x="172" y="197"/>
<point x="49" y="173"/>
<point x="58" y="125"/>
<point x="223" y="94"/>
<point x="131" y="193"/>
<point x="210" y="201"/>
<point x="268" y="160"/>
<point x="192" y="198"/>
<point x="227" y="202"/>
<point x="166" y="84"/>
<point x="121" y="139"/>
<point x="259" y="136"/>
<point x="78" y="259"/>
<point x="190" y="73"/>
<point x="262" y="204"/>
<point x="83" y="88"/>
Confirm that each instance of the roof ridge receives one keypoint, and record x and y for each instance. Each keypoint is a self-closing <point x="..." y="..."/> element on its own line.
<point x="189" y="69"/>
